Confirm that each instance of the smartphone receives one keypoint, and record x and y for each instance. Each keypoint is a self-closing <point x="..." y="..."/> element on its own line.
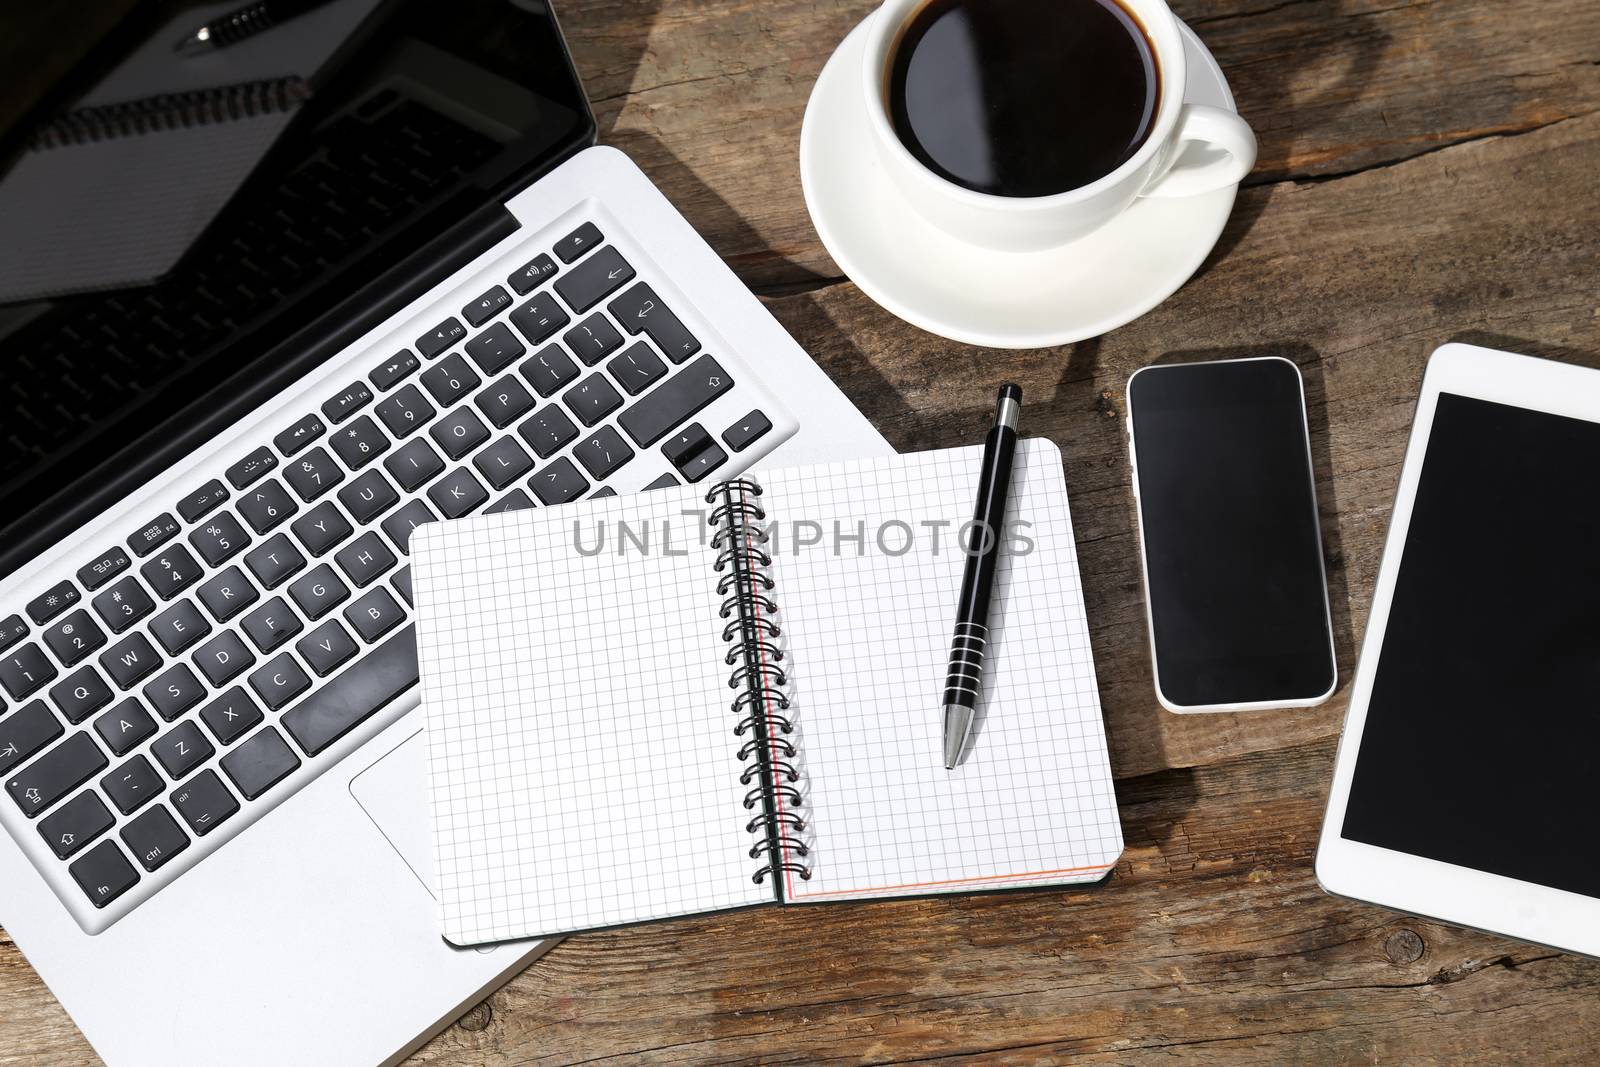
<point x="1235" y="592"/>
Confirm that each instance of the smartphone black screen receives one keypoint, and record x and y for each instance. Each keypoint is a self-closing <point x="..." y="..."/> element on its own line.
<point x="1228" y="512"/>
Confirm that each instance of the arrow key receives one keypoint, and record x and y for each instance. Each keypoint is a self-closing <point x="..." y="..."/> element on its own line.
<point x="104" y="874"/>
<point x="597" y="278"/>
<point x="80" y="821"/>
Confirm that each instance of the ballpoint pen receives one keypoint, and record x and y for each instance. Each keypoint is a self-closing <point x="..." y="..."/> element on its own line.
<point x="241" y="23"/>
<point x="970" y="641"/>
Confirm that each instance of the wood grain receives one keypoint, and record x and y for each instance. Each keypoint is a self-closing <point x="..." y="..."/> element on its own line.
<point x="1426" y="174"/>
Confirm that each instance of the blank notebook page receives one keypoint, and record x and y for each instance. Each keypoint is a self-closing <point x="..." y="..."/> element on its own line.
<point x="868" y="639"/>
<point x="582" y="768"/>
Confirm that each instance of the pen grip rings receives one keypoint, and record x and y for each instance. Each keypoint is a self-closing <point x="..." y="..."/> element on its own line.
<point x="769" y="760"/>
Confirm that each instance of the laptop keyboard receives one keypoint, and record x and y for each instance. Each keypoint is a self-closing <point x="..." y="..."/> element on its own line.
<point x="171" y="684"/>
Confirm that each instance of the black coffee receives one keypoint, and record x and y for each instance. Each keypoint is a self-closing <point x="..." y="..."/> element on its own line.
<point x="1023" y="97"/>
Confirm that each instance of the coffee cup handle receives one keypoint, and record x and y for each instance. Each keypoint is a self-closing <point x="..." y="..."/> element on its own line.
<point x="1226" y="150"/>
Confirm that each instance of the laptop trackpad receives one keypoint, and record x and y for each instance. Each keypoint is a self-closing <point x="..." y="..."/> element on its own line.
<point x="394" y="794"/>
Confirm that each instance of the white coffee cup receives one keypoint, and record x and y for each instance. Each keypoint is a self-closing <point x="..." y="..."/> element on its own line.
<point x="1191" y="149"/>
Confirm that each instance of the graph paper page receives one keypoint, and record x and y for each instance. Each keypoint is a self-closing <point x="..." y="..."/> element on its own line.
<point x="868" y="638"/>
<point x="582" y="765"/>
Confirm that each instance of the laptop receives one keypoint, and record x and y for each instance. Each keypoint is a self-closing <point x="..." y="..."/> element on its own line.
<point x="432" y="296"/>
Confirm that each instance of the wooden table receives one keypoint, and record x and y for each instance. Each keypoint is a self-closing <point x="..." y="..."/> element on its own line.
<point x="1429" y="171"/>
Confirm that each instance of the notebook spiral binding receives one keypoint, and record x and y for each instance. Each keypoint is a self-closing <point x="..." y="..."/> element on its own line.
<point x="171" y="111"/>
<point x="769" y="756"/>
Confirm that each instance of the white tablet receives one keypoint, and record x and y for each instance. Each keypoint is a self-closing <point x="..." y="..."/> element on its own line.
<point x="1467" y="786"/>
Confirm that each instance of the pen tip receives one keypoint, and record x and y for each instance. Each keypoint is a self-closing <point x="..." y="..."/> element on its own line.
<point x="1011" y="391"/>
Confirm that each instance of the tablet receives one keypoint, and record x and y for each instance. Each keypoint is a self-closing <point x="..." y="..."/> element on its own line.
<point x="1467" y="786"/>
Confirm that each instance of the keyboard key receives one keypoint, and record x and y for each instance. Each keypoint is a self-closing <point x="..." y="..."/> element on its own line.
<point x="313" y="473"/>
<point x="504" y="402"/>
<point x="440" y="338"/>
<point x="152" y="535"/>
<point x="329" y="713"/>
<point x="130" y="661"/>
<point x="548" y="430"/>
<point x="299" y="435"/>
<point x="223" y="657"/>
<point x="549" y="369"/>
<point x="593" y="399"/>
<point x="532" y="274"/>
<point x="104" y="874"/>
<point x="578" y="242"/>
<point x="81" y="694"/>
<point x="125" y="726"/>
<point x="641" y="310"/>
<point x="539" y="318"/>
<point x="123" y="604"/>
<point x="495" y="349"/>
<point x="179" y="626"/>
<point x="593" y="339"/>
<point x="360" y="443"/>
<point x="558" y="482"/>
<point x="516" y="500"/>
<point x="457" y="493"/>
<point x="171" y="572"/>
<point x="74" y="637"/>
<point x="231" y="715"/>
<point x="228" y="593"/>
<point x="638" y="368"/>
<point x="744" y="433"/>
<point x="364" y="559"/>
<point x="702" y="463"/>
<point x="249" y="468"/>
<point x="12" y="630"/>
<point x="52" y="602"/>
<point x="502" y="462"/>
<point x="199" y="503"/>
<point x="182" y="749"/>
<point x="260" y="763"/>
<point x="25" y="731"/>
<point x="267" y="506"/>
<point x="368" y="496"/>
<point x="154" y="838"/>
<point x="386" y="374"/>
<point x="77" y="822"/>
<point x="666" y="481"/>
<point x="459" y="433"/>
<point x="486" y="307"/>
<point x="405" y="411"/>
<point x="322" y="527"/>
<point x="374" y="615"/>
<point x="603" y="491"/>
<point x="683" y="445"/>
<point x="271" y="624"/>
<point x="319" y="592"/>
<point x="56" y="773"/>
<point x="595" y="279"/>
<point x="326" y="647"/>
<point x="275" y="561"/>
<point x="399" y="525"/>
<point x="219" y="539"/>
<point x="25" y="670"/>
<point x="355" y="396"/>
<point x="450" y="380"/>
<point x="674" y="401"/>
<point x="132" y="784"/>
<point x="414" y="464"/>
<point x="602" y="452"/>
<point x="402" y="578"/>
<point x="114" y="562"/>
<point x="279" y="682"/>
<point x="204" y="802"/>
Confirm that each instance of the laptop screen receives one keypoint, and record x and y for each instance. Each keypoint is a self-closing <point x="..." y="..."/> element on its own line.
<point x="178" y="228"/>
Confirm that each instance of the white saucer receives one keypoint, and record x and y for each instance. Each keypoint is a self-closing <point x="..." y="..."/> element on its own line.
<point x="984" y="297"/>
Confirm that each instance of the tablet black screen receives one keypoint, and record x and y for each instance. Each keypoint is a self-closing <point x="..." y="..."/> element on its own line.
<point x="1482" y="739"/>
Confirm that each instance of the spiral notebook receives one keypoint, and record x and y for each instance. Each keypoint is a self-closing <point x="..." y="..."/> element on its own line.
<point x="726" y="695"/>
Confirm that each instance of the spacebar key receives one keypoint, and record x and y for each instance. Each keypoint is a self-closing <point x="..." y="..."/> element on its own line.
<point x="384" y="673"/>
<point x="674" y="400"/>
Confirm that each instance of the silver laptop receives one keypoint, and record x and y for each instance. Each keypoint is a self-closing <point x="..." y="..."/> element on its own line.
<point x="432" y="297"/>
